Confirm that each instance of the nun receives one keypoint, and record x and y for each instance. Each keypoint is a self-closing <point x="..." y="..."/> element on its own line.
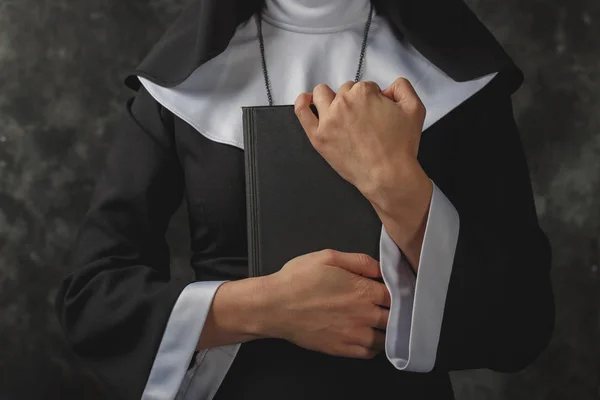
<point x="415" y="110"/>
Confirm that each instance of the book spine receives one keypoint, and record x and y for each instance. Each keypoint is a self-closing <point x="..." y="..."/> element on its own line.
<point x="251" y="199"/>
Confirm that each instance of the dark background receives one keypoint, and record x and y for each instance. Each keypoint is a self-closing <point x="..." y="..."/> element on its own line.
<point x="61" y="66"/>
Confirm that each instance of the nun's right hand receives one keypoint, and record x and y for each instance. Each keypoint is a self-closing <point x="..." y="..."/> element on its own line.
<point x="327" y="301"/>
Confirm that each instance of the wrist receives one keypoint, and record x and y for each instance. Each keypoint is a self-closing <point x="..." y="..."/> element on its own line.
<point x="250" y="300"/>
<point x="267" y="304"/>
<point x="261" y="305"/>
<point x="401" y="192"/>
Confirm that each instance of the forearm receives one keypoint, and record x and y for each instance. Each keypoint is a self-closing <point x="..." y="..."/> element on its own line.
<point x="238" y="313"/>
<point x="403" y="209"/>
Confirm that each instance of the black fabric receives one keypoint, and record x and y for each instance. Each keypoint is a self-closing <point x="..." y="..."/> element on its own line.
<point x="499" y="310"/>
<point x="274" y="369"/>
<point x="115" y="304"/>
<point x="446" y="32"/>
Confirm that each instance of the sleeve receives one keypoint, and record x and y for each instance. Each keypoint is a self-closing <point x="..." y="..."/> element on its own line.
<point x="115" y="304"/>
<point x="415" y="315"/>
<point x="178" y="344"/>
<point x="482" y="297"/>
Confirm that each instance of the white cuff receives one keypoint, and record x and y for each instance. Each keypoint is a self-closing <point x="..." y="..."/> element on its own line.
<point x="179" y="340"/>
<point x="205" y="378"/>
<point x="418" y="303"/>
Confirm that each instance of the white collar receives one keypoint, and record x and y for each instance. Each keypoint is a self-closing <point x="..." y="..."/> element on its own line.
<point x="210" y="99"/>
<point x="316" y="16"/>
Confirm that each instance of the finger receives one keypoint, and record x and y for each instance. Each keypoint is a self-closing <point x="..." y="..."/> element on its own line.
<point x="307" y="118"/>
<point x="369" y="87"/>
<point x="380" y="318"/>
<point x="400" y="90"/>
<point x="358" y="263"/>
<point x="389" y="92"/>
<point x="346" y="86"/>
<point x="323" y="95"/>
<point x="379" y="294"/>
<point x="358" y="351"/>
<point x="403" y="93"/>
<point x="379" y="341"/>
<point x="370" y="338"/>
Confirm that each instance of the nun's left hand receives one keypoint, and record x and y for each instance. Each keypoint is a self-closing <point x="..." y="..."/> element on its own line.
<point x="371" y="138"/>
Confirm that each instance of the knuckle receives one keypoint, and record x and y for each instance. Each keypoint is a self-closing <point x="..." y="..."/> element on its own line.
<point x="317" y="137"/>
<point x="361" y="85"/>
<point x="402" y="82"/>
<point x="320" y="135"/>
<point x="373" y="340"/>
<point x="416" y="106"/>
<point x="383" y="318"/>
<point x="362" y="352"/>
<point x="370" y="353"/>
<point x="328" y="256"/>
<point x="384" y="295"/>
<point x="367" y="86"/>
<point x="345" y="87"/>
<point x="343" y="100"/>
<point x="299" y="102"/>
<point x="422" y="110"/>
<point x="321" y="87"/>
<point x="373" y="86"/>
<point x="338" y="350"/>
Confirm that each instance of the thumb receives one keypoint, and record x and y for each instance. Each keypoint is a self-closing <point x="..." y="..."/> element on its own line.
<point x="358" y="263"/>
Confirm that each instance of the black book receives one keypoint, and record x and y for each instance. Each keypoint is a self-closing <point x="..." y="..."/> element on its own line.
<point x="296" y="202"/>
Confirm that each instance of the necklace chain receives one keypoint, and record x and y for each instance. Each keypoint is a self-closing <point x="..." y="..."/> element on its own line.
<point x="264" y="63"/>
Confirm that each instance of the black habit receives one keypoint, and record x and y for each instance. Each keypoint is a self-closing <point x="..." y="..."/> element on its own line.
<point x="115" y="303"/>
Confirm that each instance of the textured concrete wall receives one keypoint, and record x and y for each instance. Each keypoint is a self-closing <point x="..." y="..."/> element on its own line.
<point x="61" y="65"/>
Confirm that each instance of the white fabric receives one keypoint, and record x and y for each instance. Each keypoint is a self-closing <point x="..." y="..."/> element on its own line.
<point x="210" y="99"/>
<point x="179" y="340"/>
<point x="418" y="311"/>
<point x="211" y="366"/>
<point x="308" y="42"/>
<point x="316" y="16"/>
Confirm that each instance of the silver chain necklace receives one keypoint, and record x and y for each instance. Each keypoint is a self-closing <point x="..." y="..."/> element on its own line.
<point x="264" y="63"/>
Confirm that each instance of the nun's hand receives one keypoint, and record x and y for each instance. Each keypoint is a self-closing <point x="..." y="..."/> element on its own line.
<point x="326" y="301"/>
<point x="369" y="136"/>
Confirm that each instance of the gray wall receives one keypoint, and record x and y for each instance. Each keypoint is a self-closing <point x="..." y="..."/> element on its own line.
<point x="61" y="65"/>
